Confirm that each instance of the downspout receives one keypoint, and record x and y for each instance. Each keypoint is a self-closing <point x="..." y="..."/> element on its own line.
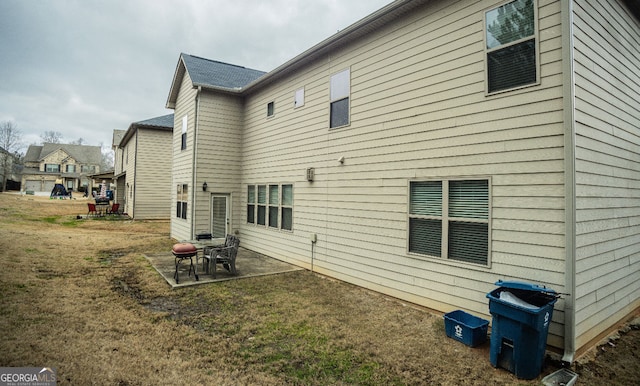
<point x="570" y="180"/>
<point x="132" y="207"/>
<point x="195" y="164"/>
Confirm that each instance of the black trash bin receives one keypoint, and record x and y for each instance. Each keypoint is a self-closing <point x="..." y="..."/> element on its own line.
<point x="521" y="314"/>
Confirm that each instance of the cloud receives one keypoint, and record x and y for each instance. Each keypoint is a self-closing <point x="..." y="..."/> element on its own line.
<point x="87" y="67"/>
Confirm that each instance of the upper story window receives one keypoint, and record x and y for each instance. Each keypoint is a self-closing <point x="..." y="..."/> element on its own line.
<point x="340" y="90"/>
<point x="298" y="98"/>
<point x="511" y="46"/>
<point x="71" y="168"/>
<point x="52" y="168"/>
<point x="87" y="169"/>
<point x="271" y="106"/>
<point x="185" y="122"/>
<point x="449" y="219"/>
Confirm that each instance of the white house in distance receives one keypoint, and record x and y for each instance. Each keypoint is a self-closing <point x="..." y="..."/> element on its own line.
<point x="142" y="168"/>
<point x="429" y="150"/>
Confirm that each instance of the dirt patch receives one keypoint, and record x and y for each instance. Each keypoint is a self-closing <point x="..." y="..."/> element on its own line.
<point x="78" y="295"/>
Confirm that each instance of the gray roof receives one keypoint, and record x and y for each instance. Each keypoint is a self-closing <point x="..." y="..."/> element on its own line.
<point x="81" y="153"/>
<point x="211" y="73"/>
<point x="117" y="137"/>
<point x="163" y="121"/>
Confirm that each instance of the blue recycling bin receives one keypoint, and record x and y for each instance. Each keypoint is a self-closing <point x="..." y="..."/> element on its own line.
<point x="521" y="315"/>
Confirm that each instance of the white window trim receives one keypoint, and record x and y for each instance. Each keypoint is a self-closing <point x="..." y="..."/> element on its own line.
<point x="338" y="97"/>
<point x="267" y="206"/>
<point x="445" y="222"/>
<point x="536" y="37"/>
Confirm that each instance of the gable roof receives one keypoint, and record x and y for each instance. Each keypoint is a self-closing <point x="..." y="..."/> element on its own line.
<point x="164" y="123"/>
<point x="210" y="74"/>
<point x="80" y="153"/>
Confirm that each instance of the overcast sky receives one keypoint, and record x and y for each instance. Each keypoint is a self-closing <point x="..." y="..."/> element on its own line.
<point x="86" y="67"/>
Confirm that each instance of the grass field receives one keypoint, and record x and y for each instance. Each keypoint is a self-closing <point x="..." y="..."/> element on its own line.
<point x="78" y="295"/>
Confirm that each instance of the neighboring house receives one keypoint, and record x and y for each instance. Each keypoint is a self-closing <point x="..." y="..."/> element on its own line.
<point x="431" y="149"/>
<point x="9" y="168"/>
<point x="67" y="164"/>
<point x="143" y="168"/>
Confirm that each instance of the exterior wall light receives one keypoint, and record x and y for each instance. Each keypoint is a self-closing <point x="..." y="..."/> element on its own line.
<point x="204" y="186"/>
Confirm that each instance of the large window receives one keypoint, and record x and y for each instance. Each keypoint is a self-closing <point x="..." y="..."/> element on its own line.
<point x="340" y="92"/>
<point x="181" y="201"/>
<point x="511" y="48"/>
<point x="450" y="219"/>
<point x="52" y="168"/>
<point x="270" y="206"/>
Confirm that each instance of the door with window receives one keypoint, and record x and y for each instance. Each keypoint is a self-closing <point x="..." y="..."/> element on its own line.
<point x="219" y="216"/>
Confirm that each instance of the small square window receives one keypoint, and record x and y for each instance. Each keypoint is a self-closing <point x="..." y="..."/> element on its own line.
<point x="270" y="109"/>
<point x="299" y="98"/>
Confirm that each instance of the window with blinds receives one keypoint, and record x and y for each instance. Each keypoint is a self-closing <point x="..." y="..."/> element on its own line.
<point x="262" y="204"/>
<point x="274" y="203"/>
<point x="511" y="47"/>
<point x="270" y="206"/>
<point x="450" y="219"/>
<point x="340" y="90"/>
<point x="251" y="204"/>
<point x="287" y="207"/>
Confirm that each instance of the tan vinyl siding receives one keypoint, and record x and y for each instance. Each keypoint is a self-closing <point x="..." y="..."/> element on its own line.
<point x="129" y="167"/>
<point x="418" y="110"/>
<point x="183" y="159"/>
<point x="607" y="73"/>
<point x="153" y="178"/>
<point x="219" y="155"/>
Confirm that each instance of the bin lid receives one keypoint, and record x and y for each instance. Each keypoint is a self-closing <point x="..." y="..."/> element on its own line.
<point x="525" y="286"/>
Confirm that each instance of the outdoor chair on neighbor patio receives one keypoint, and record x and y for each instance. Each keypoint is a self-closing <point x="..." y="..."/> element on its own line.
<point x="114" y="209"/>
<point x="92" y="209"/>
<point x="225" y="255"/>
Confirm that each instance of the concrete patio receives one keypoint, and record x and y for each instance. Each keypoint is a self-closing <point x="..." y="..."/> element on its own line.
<point x="248" y="264"/>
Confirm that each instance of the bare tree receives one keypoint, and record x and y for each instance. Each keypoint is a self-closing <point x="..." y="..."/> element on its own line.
<point x="107" y="158"/>
<point x="10" y="142"/>
<point x="51" y="136"/>
<point x="79" y="141"/>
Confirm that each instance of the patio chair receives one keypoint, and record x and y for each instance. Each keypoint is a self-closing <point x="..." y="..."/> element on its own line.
<point x="92" y="209"/>
<point x="114" y="209"/>
<point x="225" y="255"/>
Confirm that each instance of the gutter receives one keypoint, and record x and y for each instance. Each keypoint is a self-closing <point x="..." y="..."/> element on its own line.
<point x="570" y="180"/>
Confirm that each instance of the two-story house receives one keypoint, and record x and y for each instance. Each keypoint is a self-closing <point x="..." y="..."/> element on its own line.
<point x="431" y="149"/>
<point x="51" y="163"/>
<point x="142" y="165"/>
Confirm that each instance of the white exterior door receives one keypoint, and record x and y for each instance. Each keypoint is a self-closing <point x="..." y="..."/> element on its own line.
<point x="219" y="216"/>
